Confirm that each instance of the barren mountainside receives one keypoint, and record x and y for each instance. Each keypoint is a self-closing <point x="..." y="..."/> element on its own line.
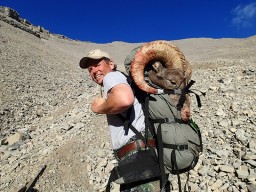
<point x="45" y="116"/>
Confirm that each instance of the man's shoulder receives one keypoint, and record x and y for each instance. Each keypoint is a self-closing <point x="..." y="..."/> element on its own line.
<point x="113" y="78"/>
<point x="116" y="75"/>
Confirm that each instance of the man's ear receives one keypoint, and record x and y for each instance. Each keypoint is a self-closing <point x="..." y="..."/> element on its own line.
<point x="112" y="65"/>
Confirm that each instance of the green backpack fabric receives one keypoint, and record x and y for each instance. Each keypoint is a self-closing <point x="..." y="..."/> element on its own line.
<point x="178" y="143"/>
<point x="181" y="142"/>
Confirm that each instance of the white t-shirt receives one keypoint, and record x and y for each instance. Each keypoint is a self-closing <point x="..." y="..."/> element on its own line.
<point x="115" y="122"/>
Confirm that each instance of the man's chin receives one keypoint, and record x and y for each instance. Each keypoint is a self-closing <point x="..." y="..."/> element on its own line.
<point x="100" y="82"/>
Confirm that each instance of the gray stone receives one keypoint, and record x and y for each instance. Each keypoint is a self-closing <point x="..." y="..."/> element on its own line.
<point x="252" y="144"/>
<point x="251" y="178"/>
<point x="14" y="138"/>
<point x="224" y="123"/>
<point x="15" y="146"/>
<point x="220" y="112"/>
<point x="248" y="156"/>
<point x="194" y="187"/>
<point x="251" y="162"/>
<point x="216" y="185"/>
<point x="222" y="153"/>
<point x="251" y="188"/>
<point x="227" y="168"/>
<point x="242" y="173"/>
<point x="225" y="186"/>
<point x="221" y="174"/>
<point x="240" y="135"/>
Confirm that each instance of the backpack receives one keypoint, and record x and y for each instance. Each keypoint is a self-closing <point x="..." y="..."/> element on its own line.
<point x="179" y="143"/>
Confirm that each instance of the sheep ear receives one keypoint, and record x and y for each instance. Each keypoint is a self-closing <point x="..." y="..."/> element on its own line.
<point x="156" y="65"/>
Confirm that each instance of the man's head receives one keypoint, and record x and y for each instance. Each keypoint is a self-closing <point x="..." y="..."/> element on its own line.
<point x="93" y="55"/>
<point x="98" y="63"/>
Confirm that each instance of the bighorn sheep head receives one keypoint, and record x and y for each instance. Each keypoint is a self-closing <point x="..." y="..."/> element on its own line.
<point x="170" y="70"/>
<point x="166" y="53"/>
<point x="167" y="78"/>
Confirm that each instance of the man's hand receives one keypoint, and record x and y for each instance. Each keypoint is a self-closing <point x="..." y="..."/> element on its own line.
<point x="185" y="114"/>
<point x="96" y="103"/>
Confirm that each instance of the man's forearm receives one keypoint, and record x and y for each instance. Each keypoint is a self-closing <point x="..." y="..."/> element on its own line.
<point x="112" y="107"/>
<point x="119" y="99"/>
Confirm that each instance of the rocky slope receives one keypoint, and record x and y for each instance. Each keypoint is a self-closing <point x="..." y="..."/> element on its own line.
<point x="45" y="112"/>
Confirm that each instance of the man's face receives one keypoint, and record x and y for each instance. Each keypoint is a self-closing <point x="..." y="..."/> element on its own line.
<point x="99" y="68"/>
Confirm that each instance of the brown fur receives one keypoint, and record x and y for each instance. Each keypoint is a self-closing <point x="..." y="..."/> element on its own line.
<point x="167" y="78"/>
<point x="171" y="79"/>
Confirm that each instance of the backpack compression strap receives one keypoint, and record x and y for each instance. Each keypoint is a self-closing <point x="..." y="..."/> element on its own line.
<point x="183" y="95"/>
<point x="187" y="90"/>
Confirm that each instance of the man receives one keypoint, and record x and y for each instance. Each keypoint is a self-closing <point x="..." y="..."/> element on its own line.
<point x="117" y="102"/>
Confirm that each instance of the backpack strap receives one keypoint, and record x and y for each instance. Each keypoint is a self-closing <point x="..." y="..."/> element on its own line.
<point x="126" y="120"/>
<point x="187" y="90"/>
<point x="148" y="127"/>
<point x="183" y="93"/>
<point x="174" y="160"/>
<point x="163" y="180"/>
<point x="166" y="120"/>
<point x="197" y="97"/>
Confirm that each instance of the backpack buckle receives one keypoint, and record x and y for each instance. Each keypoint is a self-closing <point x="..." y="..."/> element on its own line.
<point x="182" y="147"/>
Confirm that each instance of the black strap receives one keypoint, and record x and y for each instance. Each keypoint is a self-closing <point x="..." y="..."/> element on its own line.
<point x="187" y="90"/>
<point x="174" y="163"/>
<point x="126" y="120"/>
<point x="187" y="183"/>
<point x="146" y="117"/>
<point x="163" y="180"/>
<point x="173" y="91"/>
<point x="163" y="120"/>
<point x="198" y="99"/>
<point x="176" y="147"/>
<point x="114" y="175"/>
<point x="166" y="120"/>
<point x="183" y="95"/>
<point x="140" y="136"/>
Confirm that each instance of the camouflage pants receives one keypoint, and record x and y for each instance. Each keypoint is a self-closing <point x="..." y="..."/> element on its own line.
<point x="151" y="186"/>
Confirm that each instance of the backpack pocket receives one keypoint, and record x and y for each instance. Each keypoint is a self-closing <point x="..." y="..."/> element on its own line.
<point x="181" y="145"/>
<point x="138" y="167"/>
<point x="142" y="165"/>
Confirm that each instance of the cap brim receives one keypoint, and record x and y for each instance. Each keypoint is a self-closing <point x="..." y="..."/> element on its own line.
<point x="84" y="63"/>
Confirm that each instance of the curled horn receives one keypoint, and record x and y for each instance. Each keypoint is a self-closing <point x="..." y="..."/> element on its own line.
<point x="168" y="54"/>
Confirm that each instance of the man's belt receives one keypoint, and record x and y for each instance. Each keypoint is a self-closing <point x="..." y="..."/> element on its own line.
<point x="135" y="145"/>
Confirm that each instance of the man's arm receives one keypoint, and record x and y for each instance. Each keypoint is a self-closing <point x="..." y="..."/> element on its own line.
<point x="120" y="98"/>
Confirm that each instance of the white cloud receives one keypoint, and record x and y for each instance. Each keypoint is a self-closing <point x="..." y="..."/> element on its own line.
<point x="244" y="16"/>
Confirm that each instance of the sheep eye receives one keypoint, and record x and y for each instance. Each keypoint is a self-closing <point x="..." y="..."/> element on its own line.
<point x="173" y="83"/>
<point x="160" y="77"/>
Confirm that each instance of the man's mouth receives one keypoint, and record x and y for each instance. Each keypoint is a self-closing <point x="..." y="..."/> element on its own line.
<point x="97" y="76"/>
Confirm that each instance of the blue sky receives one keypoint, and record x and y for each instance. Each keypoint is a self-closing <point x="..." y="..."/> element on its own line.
<point x="137" y="21"/>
